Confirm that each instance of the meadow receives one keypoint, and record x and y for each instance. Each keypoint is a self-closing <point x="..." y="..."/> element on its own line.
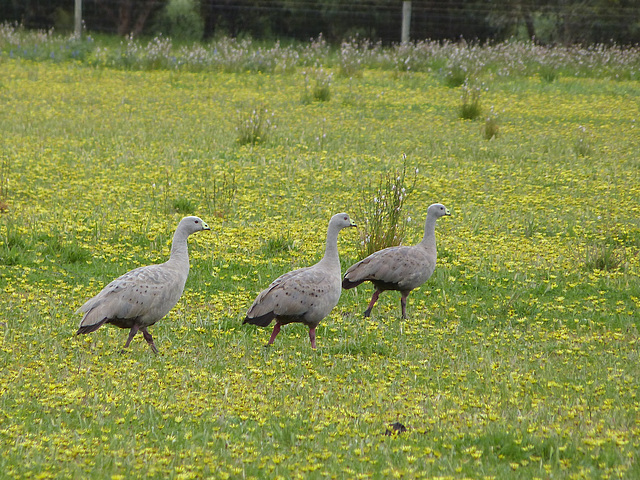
<point x="519" y="357"/>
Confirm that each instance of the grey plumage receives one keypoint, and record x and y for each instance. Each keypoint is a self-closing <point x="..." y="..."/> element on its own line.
<point x="306" y="295"/>
<point x="400" y="268"/>
<point x="141" y="297"/>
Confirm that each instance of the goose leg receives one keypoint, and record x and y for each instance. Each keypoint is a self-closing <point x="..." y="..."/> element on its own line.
<point x="147" y="336"/>
<point x="312" y="337"/>
<point x="374" y="299"/>
<point x="274" y="334"/>
<point x="403" y="303"/>
<point x="132" y="333"/>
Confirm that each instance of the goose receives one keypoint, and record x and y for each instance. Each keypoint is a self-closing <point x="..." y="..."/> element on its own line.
<point x="401" y="268"/>
<point x="141" y="297"/>
<point x="306" y="295"/>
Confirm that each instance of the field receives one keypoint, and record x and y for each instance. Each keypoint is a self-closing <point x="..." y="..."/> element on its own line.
<point x="519" y="356"/>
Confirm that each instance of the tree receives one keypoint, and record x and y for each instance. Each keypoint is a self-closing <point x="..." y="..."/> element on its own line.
<point x="129" y="16"/>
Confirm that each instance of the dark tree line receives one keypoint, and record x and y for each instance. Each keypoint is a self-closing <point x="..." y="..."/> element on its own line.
<point x="546" y="21"/>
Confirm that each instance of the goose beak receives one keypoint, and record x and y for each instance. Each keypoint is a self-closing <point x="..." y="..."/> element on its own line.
<point x="352" y="223"/>
<point x="205" y="226"/>
<point x="447" y="212"/>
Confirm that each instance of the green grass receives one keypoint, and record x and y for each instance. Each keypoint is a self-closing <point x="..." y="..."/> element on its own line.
<point x="519" y="356"/>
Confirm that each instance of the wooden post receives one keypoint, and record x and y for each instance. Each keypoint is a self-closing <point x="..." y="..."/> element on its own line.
<point x="78" y="18"/>
<point x="406" y="20"/>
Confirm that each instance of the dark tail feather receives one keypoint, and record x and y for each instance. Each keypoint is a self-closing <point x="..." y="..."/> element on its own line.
<point x="347" y="284"/>
<point x="90" y="328"/>
<point x="261" y="321"/>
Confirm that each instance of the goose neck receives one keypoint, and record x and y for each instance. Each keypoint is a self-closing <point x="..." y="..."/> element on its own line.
<point x="179" y="248"/>
<point x="331" y="246"/>
<point x="429" y="238"/>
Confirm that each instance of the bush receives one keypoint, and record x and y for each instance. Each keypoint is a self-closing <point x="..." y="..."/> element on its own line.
<point x="181" y="20"/>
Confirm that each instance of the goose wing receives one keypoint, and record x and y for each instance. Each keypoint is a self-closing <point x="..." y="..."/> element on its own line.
<point x="146" y="294"/>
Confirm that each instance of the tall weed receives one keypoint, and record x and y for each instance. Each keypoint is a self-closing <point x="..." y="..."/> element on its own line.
<point x="317" y="86"/>
<point x="255" y="126"/>
<point x="470" y="108"/>
<point x="604" y="256"/>
<point x="4" y="184"/>
<point x="221" y="196"/>
<point x="384" y="220"/>
<point x="456" y="62"/>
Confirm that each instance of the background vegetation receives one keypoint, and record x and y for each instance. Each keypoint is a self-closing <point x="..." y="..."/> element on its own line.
<point x="546" y="21"/>
<point x="519" y="356"/>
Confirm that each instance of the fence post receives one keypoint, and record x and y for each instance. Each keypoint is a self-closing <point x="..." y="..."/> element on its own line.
<point x="406" y="20"/>
<point x="78" y="18"/>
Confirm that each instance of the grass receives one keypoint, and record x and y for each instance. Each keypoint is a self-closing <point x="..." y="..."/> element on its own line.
<point x="519" y="357"/>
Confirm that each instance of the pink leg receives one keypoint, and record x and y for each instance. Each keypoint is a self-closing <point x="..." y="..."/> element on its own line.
<point x="374" y="299"/>
<point x="274" y="334"/>
<point x="403" y="303"/>
<point x="312" y="337"/>
<point x="147" y="336"/>
<point x="132" y="333"/>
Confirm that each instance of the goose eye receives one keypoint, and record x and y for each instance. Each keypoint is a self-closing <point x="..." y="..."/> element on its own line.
<point x="197" y="221"/>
